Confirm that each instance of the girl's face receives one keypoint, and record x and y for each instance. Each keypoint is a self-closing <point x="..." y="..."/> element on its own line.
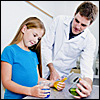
<point x="31" y="36"/>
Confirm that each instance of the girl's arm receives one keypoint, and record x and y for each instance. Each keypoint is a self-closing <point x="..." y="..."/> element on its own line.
<point x="61" y="85"/>
<point x="6" y="73"/>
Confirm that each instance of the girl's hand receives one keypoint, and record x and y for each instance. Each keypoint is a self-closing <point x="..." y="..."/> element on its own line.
<point x="37" y="91"/>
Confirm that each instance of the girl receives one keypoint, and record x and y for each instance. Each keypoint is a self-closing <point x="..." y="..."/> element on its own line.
<point x="19" y="64"/>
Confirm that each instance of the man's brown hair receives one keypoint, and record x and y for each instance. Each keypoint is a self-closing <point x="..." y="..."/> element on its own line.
<point x="88" y="10"/>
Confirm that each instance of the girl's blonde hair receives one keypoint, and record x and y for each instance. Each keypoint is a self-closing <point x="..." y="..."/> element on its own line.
<point x="31" y="22"/>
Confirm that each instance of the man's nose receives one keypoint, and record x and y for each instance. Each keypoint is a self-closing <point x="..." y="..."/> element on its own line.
<point x="78" y="25"/>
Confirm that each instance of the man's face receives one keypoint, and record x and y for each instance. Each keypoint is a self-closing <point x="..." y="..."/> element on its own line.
<point x="79" y="23"/>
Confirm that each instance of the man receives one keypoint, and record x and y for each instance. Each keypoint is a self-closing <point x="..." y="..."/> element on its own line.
<point x="66" y="40"/>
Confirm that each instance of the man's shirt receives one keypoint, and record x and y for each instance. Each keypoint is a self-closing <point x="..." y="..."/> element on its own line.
<point x="57" y="48"/>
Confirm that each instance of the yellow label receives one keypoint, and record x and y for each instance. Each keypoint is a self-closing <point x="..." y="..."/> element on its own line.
<point x="65" y="78"/>
<point x="79" y="79"/>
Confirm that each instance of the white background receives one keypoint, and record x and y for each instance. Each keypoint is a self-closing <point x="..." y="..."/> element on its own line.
<point x="13" y="13"/>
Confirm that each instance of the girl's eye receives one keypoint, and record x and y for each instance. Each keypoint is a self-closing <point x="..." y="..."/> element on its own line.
<point x="34" y="35"/>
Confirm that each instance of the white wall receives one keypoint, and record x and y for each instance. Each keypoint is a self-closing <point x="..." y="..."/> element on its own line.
<point x="13" y="13"/>
<point x="56" y="8"/>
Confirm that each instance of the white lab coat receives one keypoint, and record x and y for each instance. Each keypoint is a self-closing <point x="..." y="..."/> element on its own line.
<point x="52" y="46"/>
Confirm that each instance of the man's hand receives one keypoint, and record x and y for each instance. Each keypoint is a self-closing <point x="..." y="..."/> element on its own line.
<point x="85" y="87"/>
<point x="53" y="73"/>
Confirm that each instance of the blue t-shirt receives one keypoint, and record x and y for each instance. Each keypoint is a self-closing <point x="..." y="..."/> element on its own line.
<point x="24" y="68"/>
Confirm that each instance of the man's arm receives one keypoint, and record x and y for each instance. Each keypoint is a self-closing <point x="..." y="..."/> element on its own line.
<point x="87" y="57"/>
<point x="88" y="80"/>
<point x="47" y="47"/>
<point x="53" y="73"/>
<point x="86" y="65"/>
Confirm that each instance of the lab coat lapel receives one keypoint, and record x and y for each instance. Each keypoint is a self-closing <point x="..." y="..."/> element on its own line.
<point x="63" y="36"/>
<point x="77" y="38"/>
<point x="59" y="42"/>
<point x="66" y="31"/>
<point x="67" y="28"/>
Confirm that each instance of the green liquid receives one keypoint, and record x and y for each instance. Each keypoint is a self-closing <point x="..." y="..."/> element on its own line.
<point x="73" y="91"/>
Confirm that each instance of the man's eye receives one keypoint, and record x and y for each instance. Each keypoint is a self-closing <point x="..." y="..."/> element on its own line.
<point x="76" y="20"/>
<point x="83" y="25"/>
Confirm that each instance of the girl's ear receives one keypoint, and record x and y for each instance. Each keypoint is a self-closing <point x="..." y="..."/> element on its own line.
<point x="24" y="28"/>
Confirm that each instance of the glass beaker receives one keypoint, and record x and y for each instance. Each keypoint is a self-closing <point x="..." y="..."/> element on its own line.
<point x="73" y="87"/>
<point x="45" y="83"/>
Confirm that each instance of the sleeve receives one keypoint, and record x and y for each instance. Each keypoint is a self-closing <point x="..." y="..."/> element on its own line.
<point x="47" y="43"/>
<point x="87" y="59"/>
<point x="7" y="55"/>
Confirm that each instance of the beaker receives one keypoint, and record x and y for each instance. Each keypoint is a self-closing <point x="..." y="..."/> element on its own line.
<point x="45" y="83"/>
<point x="73" y="87"/>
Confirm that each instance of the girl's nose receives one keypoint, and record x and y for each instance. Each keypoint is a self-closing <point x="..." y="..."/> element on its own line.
<point x="35" y="40"/>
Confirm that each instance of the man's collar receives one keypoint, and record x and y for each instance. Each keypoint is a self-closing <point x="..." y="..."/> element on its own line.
<point x="67" y="22"/>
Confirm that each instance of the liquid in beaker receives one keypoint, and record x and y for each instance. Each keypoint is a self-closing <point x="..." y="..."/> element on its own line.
<point x="73" y="88"/>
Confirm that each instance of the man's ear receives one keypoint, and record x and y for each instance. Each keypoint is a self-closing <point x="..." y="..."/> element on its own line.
<point x="24" y="28"/>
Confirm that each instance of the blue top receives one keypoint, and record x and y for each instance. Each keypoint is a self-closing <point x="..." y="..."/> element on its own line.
<point x="24" y="68"/>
